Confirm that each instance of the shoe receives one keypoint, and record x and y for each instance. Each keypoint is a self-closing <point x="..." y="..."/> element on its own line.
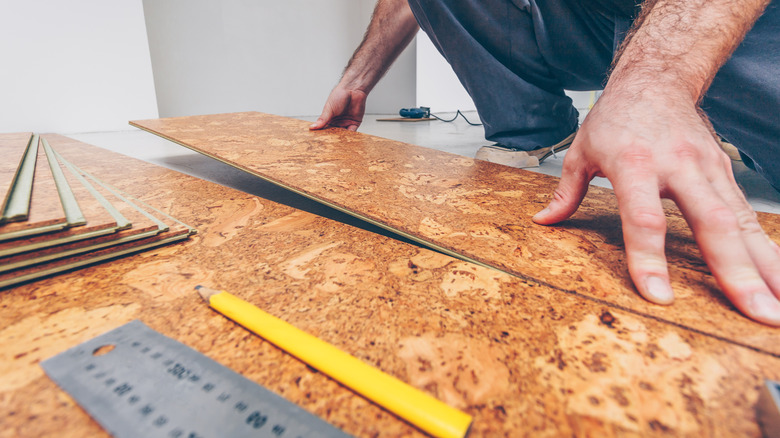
<point x="730" y="150"/>
<point x="513" y="157"/>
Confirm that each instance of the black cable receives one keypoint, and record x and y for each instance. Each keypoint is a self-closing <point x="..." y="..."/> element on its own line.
<point x="458" y="113"/>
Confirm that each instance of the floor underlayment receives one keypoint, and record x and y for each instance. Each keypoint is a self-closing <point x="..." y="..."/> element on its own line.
<point x="521" y="357"/>
<point x="473" y="209"/>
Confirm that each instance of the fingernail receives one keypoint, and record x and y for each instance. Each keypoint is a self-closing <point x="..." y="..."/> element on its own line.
<point x="659" y="290"/>
<point x="765" y="307"/>
<point x="542" y="213"/>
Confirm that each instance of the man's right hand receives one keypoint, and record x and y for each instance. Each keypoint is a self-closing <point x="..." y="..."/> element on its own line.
<point x="343" y="109"/>
<point x="391" y="29"/>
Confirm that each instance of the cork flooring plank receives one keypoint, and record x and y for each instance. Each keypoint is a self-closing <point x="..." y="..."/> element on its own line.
<point x="46" y="212"/>
<point x="16" y="204"/>
<point x="478" y="210"/>
<point x="146" y="228"/>
<point x="521" y="357"/>
<point x="70" y="204"/>
<point x="19" y="265"/>
<point x="51" y="264"/>
<point x="100" y="215"/>
<point x="12" y="149"/>
<point x="137" y="224"/>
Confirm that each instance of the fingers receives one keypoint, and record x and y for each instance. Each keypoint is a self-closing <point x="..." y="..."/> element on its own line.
<point x="569" y="193"/>
<point x="740" y="256"/>
<point x="644" y="232"/>
<point x="343" y="109"/>
<point x="644" y="222"/>
<point x="319" y="124"/>
<point x="324" y="119"/>
<point x="764" y="252"/>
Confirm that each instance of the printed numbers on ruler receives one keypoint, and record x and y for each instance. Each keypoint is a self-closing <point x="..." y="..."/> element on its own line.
<point x="137" y="382"/>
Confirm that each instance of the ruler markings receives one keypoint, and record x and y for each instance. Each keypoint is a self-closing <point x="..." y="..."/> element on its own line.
<point x="151" y="385"/>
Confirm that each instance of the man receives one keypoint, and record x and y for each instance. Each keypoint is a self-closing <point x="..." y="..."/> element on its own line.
<point x="684" y="67"/>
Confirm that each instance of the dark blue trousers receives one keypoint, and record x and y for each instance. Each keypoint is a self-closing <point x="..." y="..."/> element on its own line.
<point x="515" y="58"/>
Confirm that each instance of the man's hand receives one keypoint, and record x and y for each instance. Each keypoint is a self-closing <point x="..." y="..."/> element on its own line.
<point x="391" y="29"/>
<point x="343" y="109"/>
<point x="646" y="136"/>
<point x="653" y="147"/>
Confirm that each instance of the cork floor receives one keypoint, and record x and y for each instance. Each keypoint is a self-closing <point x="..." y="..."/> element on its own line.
<point x="520" y="356"/>
<point x="474" y="209"/>
<point x="45" y="212"/>
<point x="457" y="137"/>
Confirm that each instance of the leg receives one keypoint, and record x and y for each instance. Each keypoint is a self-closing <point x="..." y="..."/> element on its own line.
<point x="515" y="65"/>
<point x="743" y="101"/>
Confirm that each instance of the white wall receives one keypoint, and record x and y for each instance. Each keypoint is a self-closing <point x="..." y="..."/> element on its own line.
<point x="397" y="89"/>
<point x="73" y="66"/>
<point x="85" y="65"/>
<point x="281" y="57"/>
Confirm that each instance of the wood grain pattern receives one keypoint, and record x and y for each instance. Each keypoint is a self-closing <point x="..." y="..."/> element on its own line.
<point x="12" y="148"/>
<point x="478" y="209"/>
<point x="46" y="212"/>
<point x="523" y="358"/>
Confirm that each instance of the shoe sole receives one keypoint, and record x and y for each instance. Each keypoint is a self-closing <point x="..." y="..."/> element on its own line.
<point x="544" y="153"/>
<point x="532" y="158"/>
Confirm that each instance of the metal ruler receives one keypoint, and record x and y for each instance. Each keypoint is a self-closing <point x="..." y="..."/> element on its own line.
<point x="768" y="409"/>
<point x="136" y="382"/>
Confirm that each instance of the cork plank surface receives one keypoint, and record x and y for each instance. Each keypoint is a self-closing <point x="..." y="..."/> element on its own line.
<point x="144" y="228"/>
<point x="147" y="227"/>
<point x="75" y="258"/>
<point x="477" y="209"/>
<point x="46" y="212"/>
<point x="140" y="224"/>
<point x="523" y="358"/>
<point x="98" y="220"/>
<point x="12" y="149"/>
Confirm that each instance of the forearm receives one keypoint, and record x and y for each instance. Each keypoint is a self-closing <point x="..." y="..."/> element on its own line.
<point x="391" y="29"/>
<point x="678" y="45"/>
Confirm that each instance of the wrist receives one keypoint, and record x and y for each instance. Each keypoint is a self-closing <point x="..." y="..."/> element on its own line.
<point x="641" y="83"/>
<point x="355" y="82"/>
<point x="638" y="72"/>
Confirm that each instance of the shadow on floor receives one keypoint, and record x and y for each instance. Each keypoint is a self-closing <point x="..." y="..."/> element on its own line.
<point x="203" y="167"/>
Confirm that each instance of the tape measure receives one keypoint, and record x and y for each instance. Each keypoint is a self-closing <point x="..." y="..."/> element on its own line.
<point x="136" y="382"/>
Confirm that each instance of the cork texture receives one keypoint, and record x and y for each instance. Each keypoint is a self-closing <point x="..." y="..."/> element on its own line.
<point x="140" y="224"/>
<point x="522" y="357"/>
<point x="12" y="148"/>
<point x="147" y="227"/>
<point x="96" y="215"/>
<point x="477" y="209"/>
<point x="45" y="207"/>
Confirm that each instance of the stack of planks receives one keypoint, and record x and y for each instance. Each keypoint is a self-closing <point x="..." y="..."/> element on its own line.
<point x="56" y="217"/>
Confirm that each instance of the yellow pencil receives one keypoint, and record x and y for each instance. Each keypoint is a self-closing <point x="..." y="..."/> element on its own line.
<point x="411" y="404"/>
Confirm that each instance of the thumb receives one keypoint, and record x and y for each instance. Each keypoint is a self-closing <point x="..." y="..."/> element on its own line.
<point x="566" y="198"/>
<point x="319" y="124"/>
<point x="323" y="119"/>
